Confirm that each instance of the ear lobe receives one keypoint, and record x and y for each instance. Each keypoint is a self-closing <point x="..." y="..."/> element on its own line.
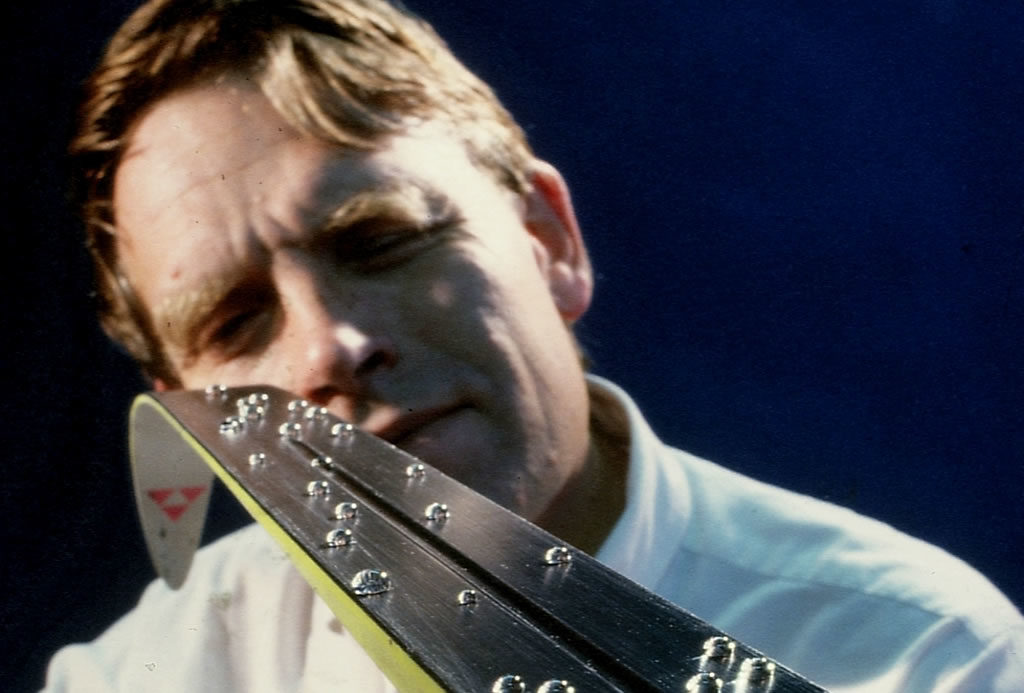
<point x="561" y="255"/>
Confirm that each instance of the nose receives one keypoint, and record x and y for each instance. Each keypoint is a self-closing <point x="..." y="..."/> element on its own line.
<point x="338" y="348"/>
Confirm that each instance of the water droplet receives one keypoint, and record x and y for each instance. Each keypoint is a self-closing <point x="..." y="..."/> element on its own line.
<point x="232" y="424"/>
<point x="291" y="431"/>
<point x="253" y="400"/>
<point x="338" y="538"/>
<point x="415" y="470"/>
<point x="322" y="462"/>
<point x="719" y="647"/>
<point x="704" y="682"/>
<point x="467" y="598"/>
<point x="343" y="430"/>
<point x="556" y="686"/>
<point x="437" y="512"/>
<point x="315" y="413"/>
<point x="346" y="511"/>
<point x="509" y="683"/>
<point x="257" y="459"/>
<point x="557" y="555"/>
<point x="216" y="391"/>
<point x="318" y="488"/>
<point x="757" y="669"/>
<point x="370" y="581"/>
<point x="297" y="406"/>
<point x="252" y="412"/>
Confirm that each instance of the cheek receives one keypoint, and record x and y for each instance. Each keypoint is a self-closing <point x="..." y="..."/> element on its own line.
<point x="458" y="313"/>
<point x="442" y="294"/>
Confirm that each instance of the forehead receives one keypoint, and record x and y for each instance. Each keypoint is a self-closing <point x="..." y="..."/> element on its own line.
<point x="217" y="170"/>
<point x="197" y="145"/>
<point x="211" y="151"/>
<point x="199" y="137"/>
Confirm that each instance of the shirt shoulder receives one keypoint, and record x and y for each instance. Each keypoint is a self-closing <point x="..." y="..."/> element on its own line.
<point x="764" y="529"/>
<point x="245" y="619"/>
<point x="846" y="599"/>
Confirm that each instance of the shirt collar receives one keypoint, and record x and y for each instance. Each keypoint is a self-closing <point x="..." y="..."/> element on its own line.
<point x="657" y="501"/>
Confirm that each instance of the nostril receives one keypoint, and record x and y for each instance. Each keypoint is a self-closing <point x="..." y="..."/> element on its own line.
<point x="378" y="359"/>
<point x="322" y="396"/>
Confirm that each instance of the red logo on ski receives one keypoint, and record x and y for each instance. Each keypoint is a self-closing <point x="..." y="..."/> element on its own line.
<point x="175" y="501"/>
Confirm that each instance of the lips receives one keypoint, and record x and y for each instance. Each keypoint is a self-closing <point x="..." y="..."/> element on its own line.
<point x="405" y="428"/>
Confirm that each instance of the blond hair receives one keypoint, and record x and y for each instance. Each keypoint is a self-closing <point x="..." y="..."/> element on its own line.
<point x="348" y="72"/>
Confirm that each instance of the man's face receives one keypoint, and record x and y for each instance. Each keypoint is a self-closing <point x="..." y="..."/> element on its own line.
<point x="402" y="288"/>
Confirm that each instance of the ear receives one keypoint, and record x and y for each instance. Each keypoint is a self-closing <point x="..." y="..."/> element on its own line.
<point x="558" y="243"/>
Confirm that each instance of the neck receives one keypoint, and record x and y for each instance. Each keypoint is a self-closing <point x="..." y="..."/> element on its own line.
<point x="592" y="501"/>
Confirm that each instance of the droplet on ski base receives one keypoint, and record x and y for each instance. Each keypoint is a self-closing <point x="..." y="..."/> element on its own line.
<point x="343" y="431"/>
<point x="318" y="488"/>
<point x="216" y="391"/>
<point x="704" y="682"/>
<point x="338" y="538"/>
<point x="719" y="647"/>
<point x="557" y="555"/>
<point x="322" y="462"/>
<point x="437" y="512"/>
<point x="232" y="425"/>
<point x="370" y="581"/>
<point x="346" y="510"/>
<point x="509" y="683"/>
<point x="291" y="431"/>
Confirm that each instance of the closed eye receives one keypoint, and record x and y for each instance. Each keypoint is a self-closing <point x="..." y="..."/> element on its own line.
<point x="374" y="246"/>
<point x="242" y="323"/>
<point x="229" y="329"/>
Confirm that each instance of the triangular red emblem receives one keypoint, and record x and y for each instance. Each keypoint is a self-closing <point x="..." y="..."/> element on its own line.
<point x="175" y="510"/>
<point x="160" y="494"/>
<point x="192" y="492"/>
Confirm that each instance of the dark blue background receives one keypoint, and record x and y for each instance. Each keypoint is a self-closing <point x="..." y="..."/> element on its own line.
<point x="808" y="226"/>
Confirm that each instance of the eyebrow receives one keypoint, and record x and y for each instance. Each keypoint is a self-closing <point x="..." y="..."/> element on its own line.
<point x="180" y="317"/>
<point x="410" y="203"/>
